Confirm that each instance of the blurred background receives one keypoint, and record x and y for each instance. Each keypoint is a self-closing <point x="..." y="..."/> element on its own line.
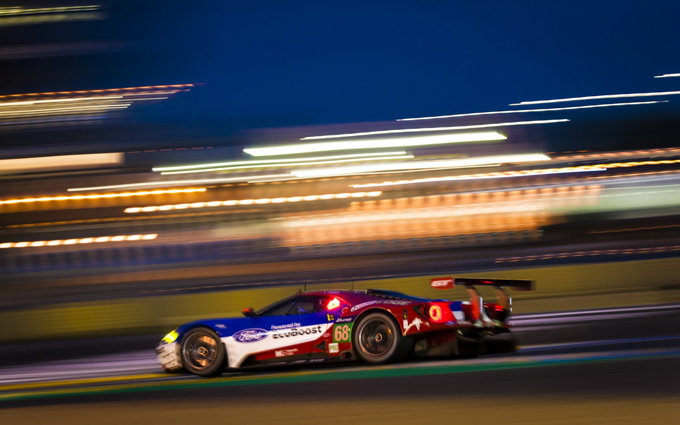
<point x="162" y="162"/>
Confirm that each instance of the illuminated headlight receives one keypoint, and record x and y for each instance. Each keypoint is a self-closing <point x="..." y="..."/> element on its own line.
<point x="171" y="337"/>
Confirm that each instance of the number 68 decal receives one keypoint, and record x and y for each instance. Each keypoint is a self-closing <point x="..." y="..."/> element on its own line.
<point x="342" y="333"/>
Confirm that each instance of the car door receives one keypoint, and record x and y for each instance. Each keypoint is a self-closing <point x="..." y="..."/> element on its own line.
<point x="285" y="331"/>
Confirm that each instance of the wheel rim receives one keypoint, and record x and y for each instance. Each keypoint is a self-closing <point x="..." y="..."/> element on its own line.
<point x="201" y="350"/>
<point x="376" y="338"/>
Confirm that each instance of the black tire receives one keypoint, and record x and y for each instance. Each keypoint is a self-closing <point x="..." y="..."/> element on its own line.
<point x="377" y="339"/>
<point x="202" y="352"/>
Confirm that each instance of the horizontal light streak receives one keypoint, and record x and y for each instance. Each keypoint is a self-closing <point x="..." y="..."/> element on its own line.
<point x="667" y="75"/>
<point x="376" y="144"/>
<point x="71" y="99"/>
<point x="291" y="164"/>
<point x="505" y="174"/>
<point x="176" y="182"/>
<point x="261" y="201"/>
<point x="129" y="91"/>
<point x="102" y="196"/>
<point x="61" y="111"/>
<point x="440" y="164"/>
<point x="605" y="96"/>
<point x="19" y="10"/>
<point x="62" y="242"/>
<point x="274" y="161"/>
<point x="428" y="129"/>
<point x="517" y="111"/>
<point x="60" y="162"/>
<point x="417" y="214"/>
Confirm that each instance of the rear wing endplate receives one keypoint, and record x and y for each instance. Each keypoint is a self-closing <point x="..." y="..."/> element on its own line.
<point x="475" y="297"/>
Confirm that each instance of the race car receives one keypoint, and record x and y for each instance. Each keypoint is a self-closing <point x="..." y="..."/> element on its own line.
<point x="375" y="326"/>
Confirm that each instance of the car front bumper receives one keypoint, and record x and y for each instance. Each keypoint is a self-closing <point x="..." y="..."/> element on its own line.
<point x="168" y="356"/>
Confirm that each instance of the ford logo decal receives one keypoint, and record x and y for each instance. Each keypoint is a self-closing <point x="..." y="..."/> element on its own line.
<point x="251" y="335"/>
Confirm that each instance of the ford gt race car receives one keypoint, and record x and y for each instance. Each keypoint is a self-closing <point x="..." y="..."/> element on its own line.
<point x="375" y="326"/>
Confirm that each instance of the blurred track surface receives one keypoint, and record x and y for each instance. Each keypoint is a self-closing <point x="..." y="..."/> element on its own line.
<point x="135" y="374"/>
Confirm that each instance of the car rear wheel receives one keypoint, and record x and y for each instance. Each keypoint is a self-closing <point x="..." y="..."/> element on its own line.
<point x="377" y="340"/>
<point x="202" y="352"/>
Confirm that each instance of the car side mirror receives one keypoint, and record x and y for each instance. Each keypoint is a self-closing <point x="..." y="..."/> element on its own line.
<point x="248" y="312"/>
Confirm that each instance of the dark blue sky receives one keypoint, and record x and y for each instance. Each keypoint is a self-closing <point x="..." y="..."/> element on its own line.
<point x="287" y="63"/>
<point x="377" y="60"/>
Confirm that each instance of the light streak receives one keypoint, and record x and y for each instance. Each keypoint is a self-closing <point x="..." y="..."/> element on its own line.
<point x="568" y="108"/>
<point x="61" y="162"/>
<point x="339" y="161"/>
<point x="376" y="144"/>
<point x="498" y="175"/>
<point x="667" y="76"/>
<point x="274" y="161"/>
<point x="604" y="96"/>
<point x="454" y="163"/>
<point x="122" y="89"/>
<point x="102" y="196"/>
<point x="18" y="10"/>
<point x="428" y="129"/>
<point x="57" y="111"/>
<point x="234" y="202"/>
<point x="58" y="242"/>
<point x="176" y="182"/>
<point x="71" y="99"/>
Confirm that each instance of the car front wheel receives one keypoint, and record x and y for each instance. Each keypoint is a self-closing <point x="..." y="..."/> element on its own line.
<point x="202" y="352"/>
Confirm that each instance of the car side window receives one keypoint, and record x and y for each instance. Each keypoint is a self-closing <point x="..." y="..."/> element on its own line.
<point x="305" y="305"/>
<point x="278" y="309"/>
<point x="294" y="306"/>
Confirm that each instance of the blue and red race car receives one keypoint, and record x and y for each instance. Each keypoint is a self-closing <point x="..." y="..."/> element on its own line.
<point x="376" y="326"/>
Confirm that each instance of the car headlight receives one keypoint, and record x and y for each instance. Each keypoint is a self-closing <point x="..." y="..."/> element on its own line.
<point x="171" y="337"/>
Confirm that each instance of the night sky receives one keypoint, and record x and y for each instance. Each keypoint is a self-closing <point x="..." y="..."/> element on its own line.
<point x="284" y="63"/>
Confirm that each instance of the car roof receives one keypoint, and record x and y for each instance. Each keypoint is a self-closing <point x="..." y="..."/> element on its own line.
<point x="368" y="294"/>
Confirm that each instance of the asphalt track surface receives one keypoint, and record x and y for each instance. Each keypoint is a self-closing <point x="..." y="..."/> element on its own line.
<point x="597" y="380"/>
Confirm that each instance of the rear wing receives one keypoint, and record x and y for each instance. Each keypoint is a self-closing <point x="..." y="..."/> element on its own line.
<point x="475" y="297"/>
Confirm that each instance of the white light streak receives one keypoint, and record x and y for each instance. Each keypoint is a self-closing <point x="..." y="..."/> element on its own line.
<point x="275" y="161"/>
<point x="428" y="129"/>
<point x="568" y="108"/>
<point x="176" y="183"/>
<point x="72" y="99"/>
<point x="453" y="163"/>
<point x="291" y="164"/>
<point x="44" y="163"/>
<point x="604" y="96"/>
<point x="376" y="144"/>
<point x="667" y="76"/>
<point x="485" y="176"/>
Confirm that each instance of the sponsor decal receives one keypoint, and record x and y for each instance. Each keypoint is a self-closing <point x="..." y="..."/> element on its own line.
<point x="345" y="319"/>
<point x="442" y="282"/>
<point x="330" y="317"/>
<point x="298" y="332"/>
<point x="390" y="302"/>
<point x="416" y="322"/>
<point x="342" y="333"/>
<point x="287" y="352"/>
<point x="334" y="348"/>
<point x="286" y="326"/>
<point x="362" y="305"/>
<point x="221" y="326"/>
<point x="395" y="302"/>
<point x="251" y="335"/>
<point x="326" y="335"/>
